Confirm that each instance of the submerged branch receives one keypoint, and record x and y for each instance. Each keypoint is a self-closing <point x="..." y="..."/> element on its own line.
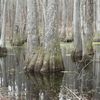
<point x="85" y="66"/>
<point x="72" y="92"/>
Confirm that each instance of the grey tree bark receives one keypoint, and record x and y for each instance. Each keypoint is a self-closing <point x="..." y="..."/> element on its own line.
<point x="48" y="57"/>
<point x="76" y="27"/>
<point x="32" y="35"/>
<point x="52" y="57"/>
<point x="64" y="20"/>
<point x="98" y="16"/>
<point x="97" y="33"/>
<point x="3" y="18"/>
<point x="19" y="25"/>
<point x="70" y="7"/>
<point x="87" y="26"/>
<point x="77" y="53"/>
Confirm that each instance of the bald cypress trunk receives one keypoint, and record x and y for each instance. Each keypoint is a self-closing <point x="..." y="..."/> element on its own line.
<point x="98" y="16"/>
<point x="77" y="53"/>
<point x="47" y="58"/>
<point x="77" y="30"/>
<point x="64" y="20"/>
<point x="87" y="26"/>
<point x="97" y="33"/>
<point x="31" y="28"/>
<point x="52" y="53"/>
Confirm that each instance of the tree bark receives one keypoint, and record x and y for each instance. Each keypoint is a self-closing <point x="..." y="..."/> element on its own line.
<point x="87" y="26"/>
<point x="52" y="52"/>
<point x="31" y="30"/>
<point x="97" y="33"/>
<point x="3" y="32"/>
<point x="98" y="16"/>
<point x="47" y="58"/>
<point x="77" y="53"/>
<point x="64" y="20"/>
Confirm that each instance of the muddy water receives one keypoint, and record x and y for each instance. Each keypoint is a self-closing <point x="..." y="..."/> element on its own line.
<point x="71" y="84"/>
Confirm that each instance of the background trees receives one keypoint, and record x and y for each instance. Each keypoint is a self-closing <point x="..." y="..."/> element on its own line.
<point x="19" y="23"/>
<point x="3" y="21"/>
<point x="40" y="24"/>
<point x="83" y="28"/>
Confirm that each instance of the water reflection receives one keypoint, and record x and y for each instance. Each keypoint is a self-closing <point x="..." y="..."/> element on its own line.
<point x="78" y="81"/>
<point x="48" y="86"/>
<point x="18" y="86"/>
<point x="71" y="84"/>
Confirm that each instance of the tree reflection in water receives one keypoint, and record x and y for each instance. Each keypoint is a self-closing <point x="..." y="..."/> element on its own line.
<point x="71" y="84"/>
<point x="18" y="86"/>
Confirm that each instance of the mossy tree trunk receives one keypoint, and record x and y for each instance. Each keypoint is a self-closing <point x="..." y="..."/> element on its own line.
<point x="47" y="58"/>
<point x="52" y="54"/>
<point x="31" y="29"/>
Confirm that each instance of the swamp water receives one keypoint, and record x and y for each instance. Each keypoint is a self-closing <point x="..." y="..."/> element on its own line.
<point x="68" y="85"/>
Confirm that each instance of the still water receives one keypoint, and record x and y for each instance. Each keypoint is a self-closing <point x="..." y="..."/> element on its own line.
<point x="71" y="84"/>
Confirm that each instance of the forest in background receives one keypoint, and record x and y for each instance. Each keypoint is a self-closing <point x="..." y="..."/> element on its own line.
<point x="41" y="25"/>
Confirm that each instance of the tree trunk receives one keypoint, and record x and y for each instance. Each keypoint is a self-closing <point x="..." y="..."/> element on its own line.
<point x="3" y="17"/>
<point x="98" y="16"/>
<point x="52" y="52"/>
<point x="70" y="7"/>
<point x="87" y="26"/>
<point x="77" y="53"/>
<point x="64" y="20"/>
<point x="48" y="58"/>
<point x="31" y="30"/>
<point x="97" y="35"/>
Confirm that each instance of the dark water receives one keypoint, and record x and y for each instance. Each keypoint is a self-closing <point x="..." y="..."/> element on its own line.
<point x="68" y="85"/>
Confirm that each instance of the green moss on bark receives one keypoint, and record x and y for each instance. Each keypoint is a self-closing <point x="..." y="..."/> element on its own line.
<point x="45" y="62"/>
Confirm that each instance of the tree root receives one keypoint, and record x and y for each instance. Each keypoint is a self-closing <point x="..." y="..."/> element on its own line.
<point x="44" y="62"/>
<point x="39" y="62"/>
<point x="45" y="66"/>
<point x="32" y="63"/>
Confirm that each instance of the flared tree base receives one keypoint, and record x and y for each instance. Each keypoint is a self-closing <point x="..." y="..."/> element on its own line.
<point x="44" y="62"/>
